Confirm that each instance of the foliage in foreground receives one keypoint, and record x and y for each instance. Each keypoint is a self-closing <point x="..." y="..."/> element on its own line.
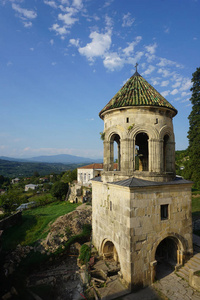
<point x="193" y="165"/>
<point x="85" y="254"/>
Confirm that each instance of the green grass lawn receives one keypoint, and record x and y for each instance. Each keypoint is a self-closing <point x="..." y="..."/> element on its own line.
<point x="35" y="224"/>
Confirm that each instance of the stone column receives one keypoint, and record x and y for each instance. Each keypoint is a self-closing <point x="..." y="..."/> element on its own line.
<point x="108" y="156"/>
<point x="125" y="155"/>
<point x="153" y="265"/>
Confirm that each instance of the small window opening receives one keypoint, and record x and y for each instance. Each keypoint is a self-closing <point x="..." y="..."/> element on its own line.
<point x="164" y="212"/>
<point x="110" y="205"/>
<point x="156" y="121"/>
<point x="127" y="120"/>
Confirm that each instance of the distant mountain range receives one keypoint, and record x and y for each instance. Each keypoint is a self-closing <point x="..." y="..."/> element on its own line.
<point x="60" y="158"/>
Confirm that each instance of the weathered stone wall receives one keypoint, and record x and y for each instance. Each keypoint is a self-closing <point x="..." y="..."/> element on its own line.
<point x="131" y="219"/>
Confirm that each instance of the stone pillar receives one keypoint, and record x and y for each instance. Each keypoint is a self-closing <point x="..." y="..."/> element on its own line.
<point x="108" y="156"/>
<point x="125" y="155"/>
<point x="153" y="265"/>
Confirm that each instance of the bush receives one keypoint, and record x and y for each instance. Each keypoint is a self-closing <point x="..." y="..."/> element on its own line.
<point x="85" y="254"/>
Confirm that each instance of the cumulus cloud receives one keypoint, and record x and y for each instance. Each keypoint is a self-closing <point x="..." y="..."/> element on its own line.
<point x="99" y="45"/>
<point x="174" y="92"/>
<point x="74" y="42"/>
<point x="186" y="84"/>
<point x="149" y="70"/>
<point x="59" y="30"/>
<point x="129" y="50"/>
<point x="23" y="12"/>
<point x="164" y="72"/>
<point x="51" y="3"/>
<point x="112" y="61"/>
<point x="151" y="48"/>
<point x="166" y="62"/>
<point x="127" y="20"/>
<point x="165" y="93"/>
<point x="67" y="19"/>
<point x="165" y="83"/>
<point x="176" y="84"/>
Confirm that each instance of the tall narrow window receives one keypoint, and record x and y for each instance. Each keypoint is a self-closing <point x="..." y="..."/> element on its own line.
<point x="164" y="211"/>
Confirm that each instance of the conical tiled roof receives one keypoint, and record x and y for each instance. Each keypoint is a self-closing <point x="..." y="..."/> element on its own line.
<point x="137" y="92"/>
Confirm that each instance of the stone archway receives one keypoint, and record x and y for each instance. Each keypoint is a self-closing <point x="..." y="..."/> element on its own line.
<point x="109" y="251"/>
<point x="167" y="256"/>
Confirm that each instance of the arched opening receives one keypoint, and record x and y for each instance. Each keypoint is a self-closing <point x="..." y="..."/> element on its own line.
<point x="166" y="154"/>
<point x="115" y="152"/>
<point x="109" y="251"/>
<point x="141" y="152"/>
<point x="166" y="257"/>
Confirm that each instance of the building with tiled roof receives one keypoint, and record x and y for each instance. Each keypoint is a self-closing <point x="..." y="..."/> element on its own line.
<point x="137" y="92"/>
<point x="141" y="211"/>
<point x="88" y="172"/>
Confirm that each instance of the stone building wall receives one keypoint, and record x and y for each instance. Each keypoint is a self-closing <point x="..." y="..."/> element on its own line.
<point x="131" y="220"/>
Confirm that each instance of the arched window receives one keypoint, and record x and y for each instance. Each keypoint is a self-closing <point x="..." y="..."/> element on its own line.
<point x="115" y="151"/>
<point x="141" y="152"/>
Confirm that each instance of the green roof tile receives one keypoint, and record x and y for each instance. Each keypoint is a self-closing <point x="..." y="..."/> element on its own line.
<point x="137" y="92"/>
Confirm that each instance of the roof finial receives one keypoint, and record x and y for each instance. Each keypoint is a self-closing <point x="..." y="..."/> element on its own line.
<point x="136" y="66"/>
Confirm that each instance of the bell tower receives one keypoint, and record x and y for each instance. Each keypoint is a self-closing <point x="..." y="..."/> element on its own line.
<point x="139" y="120"/>
<point x="141" y="211"/>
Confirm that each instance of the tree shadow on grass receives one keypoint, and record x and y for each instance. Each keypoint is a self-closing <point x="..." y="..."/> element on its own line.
<point x="16" y="235"/>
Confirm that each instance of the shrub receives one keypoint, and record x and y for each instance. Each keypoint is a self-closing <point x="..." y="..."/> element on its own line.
<point x="85" y="254"/>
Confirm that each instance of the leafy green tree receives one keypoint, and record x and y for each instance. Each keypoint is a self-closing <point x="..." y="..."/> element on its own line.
<point x="59" y="190"/>
<point x="69" y="176"/>
<point x="193" y="165"/>
<point x="10" y="200"/>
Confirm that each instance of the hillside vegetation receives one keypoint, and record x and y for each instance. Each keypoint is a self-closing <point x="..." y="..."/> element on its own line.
<point x="22" y="169"/>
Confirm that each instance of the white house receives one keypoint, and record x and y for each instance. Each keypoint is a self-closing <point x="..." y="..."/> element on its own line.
<point x="86" y="173"/>
<point x="31" y="187"/>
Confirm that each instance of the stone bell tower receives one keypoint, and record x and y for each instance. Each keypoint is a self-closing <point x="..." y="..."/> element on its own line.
<point x="141" y="210"/>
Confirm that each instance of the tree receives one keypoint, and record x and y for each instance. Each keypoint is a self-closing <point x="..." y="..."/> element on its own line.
<point x="193" y="166"/>
<point x="69" y="176"/>
<point x="59" y="190"/>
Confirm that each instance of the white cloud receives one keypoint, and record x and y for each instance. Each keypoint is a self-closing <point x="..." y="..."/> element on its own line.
<point x="112" y="61"/>
<point x="127" y="20"/>
<point x="77" y="3"/>
<point x="23" y="12"/>
<point x="174" y="92"/>
<point x="27" y="24"/>
<point x="9" y="63"/>
<point x="129" y="50"/>
<point x="53" y="63"/>
<point x="151" y="48"/>
<point x="67" y="19"/>
<point x="177" y="84"/>
<point x="74" y="42"/>
<point x="186" y="84"/>
<point x="165" y="93"/>
<point x="59" y="30"/>
<point x="149" y="70"/>
<point x="32" y="49"/>
<point x="166" y="62"/>
<point x="99" y="45"/>
<point x="51" y="42"/>
<point x="183" y="94"/>
<point x="51" y="3"/>
<point x="165" y="83"/>
<point x="164" y="72"/>
<point x="108" y="3"/>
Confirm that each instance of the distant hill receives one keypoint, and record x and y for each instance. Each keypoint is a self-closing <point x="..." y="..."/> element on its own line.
<point x="60" y="158"/>
<point x="25" y="169"/>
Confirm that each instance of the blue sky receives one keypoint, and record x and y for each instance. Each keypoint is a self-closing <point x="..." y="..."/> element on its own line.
<point x="61" y="61"/>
